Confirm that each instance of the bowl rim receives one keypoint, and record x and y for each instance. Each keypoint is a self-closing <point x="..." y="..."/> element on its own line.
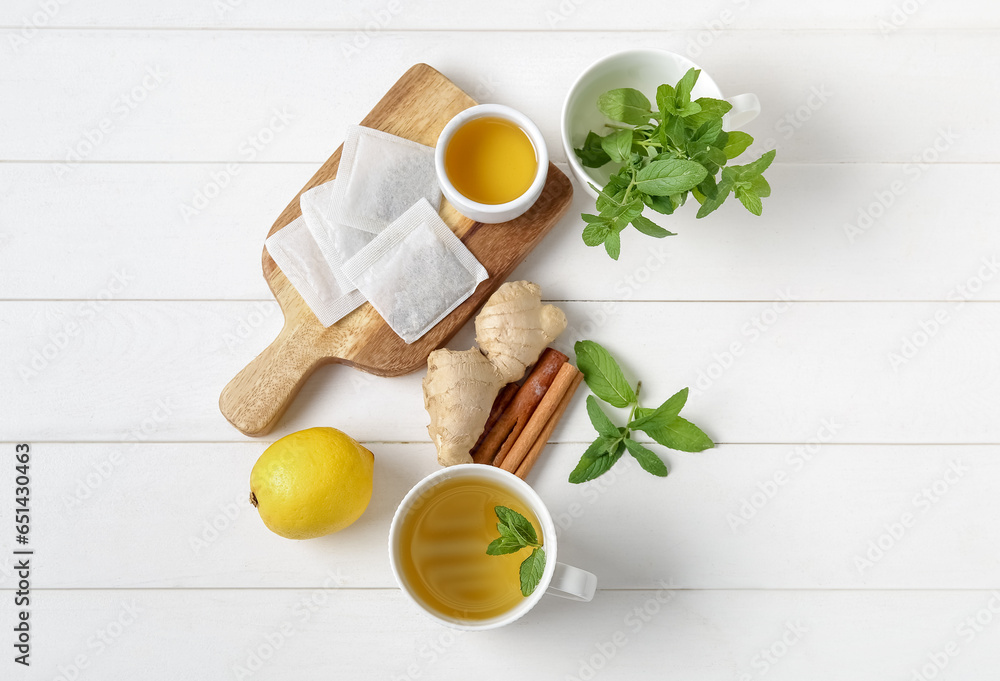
<point x="653" y="52"/>
<point x="507" y="113"/>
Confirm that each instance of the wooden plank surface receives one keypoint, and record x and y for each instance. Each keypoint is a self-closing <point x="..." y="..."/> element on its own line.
<point x="877" y="109"/>
<point x="759" y="372"/>
<point x="750" y="517"/>
<point x="813" y="112"/>
<point x="804" y="248"/>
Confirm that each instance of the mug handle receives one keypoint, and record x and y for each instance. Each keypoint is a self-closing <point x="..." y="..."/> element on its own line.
<point x="746" y="107"/>
<point x="572" y="583"/>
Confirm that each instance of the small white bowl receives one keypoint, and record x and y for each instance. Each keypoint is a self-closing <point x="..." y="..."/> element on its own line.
<point x="485" y="212"/>
<point x="644" y="70"/>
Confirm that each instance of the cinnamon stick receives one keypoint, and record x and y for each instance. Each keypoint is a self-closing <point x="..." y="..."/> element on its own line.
<point x="500" y="438"/>
<point x="500" y="404"/>
<point x="543" y="412"/>
<point x="543" y="437"/>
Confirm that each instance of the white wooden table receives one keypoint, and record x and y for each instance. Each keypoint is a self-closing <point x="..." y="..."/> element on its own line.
<point x="845" y="527"/>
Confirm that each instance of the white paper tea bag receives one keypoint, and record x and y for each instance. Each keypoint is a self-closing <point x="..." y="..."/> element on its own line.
<point x="337" y="242"/>
<point x="380" y="177"/>
<point x="415" y="272"/>
<point x="295" y="251"/>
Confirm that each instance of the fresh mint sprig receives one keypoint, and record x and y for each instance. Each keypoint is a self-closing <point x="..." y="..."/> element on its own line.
<point x="663" y="424"/>
<point x="665" y="154"/>
<point x="516" y="533"/>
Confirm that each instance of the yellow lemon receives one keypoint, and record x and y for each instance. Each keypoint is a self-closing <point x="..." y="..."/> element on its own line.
<point x="311" y="483"/>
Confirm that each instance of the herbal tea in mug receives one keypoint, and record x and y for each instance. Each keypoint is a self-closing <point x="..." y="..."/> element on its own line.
<point x="442" y="549"/>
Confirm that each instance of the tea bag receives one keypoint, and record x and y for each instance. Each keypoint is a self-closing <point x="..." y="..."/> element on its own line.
<point x="415" y="272"/>
<point x="337" y="242"/>
<point x="296" y="252"/>
<point x="380" y="177"/>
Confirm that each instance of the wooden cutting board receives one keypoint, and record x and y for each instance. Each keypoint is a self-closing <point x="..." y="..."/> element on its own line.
<point x="417" y="107"/>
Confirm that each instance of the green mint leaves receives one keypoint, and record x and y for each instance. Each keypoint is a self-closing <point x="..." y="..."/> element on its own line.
<point x="517" y="533"/>
<point x="663" y="424"/>
<point x="664" y="155"/>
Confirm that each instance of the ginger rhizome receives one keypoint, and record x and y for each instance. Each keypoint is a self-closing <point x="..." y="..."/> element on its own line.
<point x="511" y="330"/>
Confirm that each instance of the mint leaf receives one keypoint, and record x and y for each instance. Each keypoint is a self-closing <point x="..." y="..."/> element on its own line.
<point x="673" y="130"/>
<point x="618" y="145"/>
<point x="680" y="434"/>
<point x="708" y="131"/>
<point x="751" y="170"/>
<point x="602" y="424"/>
<point x="600" y="456"/>
<point x="663" y="414"/>
<point x="591" y="154"/>
<point x="626" y="105"/>
<point x="596" y="232"/>
<point x="661" y="178"/>
<point x="650" y="228"/>
<point x="649" y="461"/>
<point x="721" y="193"/>
<point x="602" y="374"/>
<point x="661" y="204"/>
<point x="760" y="186"/>
<point x="749" y="200"/>
<point x="613" y="244"/>
<point x="738" y="142"/>
<point x="665" y="98"/>
<point x="682" y="93"/>
<point x="718" y="107"/>
<point x="516" y="522"/>
<point x="531" y="571"/>
<point x="503" y="545"/>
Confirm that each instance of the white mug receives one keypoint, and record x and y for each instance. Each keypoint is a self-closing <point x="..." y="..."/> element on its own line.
<point x="644" y="70"/>
<point x="557" y="578"/>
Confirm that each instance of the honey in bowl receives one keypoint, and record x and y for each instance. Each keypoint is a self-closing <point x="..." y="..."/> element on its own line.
<point x="490" y="160"/>
<point x="443" y="555"/>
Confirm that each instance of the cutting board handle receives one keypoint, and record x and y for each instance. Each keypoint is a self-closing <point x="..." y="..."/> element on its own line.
<point x="257" y="396"/>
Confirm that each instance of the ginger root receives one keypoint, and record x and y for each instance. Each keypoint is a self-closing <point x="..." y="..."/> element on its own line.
<point x="512" y="330"/>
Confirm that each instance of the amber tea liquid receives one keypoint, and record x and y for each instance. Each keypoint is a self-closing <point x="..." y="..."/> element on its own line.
<point x="442" y="551"/>
<point x="491" y="160"/>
